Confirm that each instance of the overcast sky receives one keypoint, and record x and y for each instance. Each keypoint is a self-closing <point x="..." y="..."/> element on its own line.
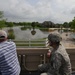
<point x="57" y="11"/>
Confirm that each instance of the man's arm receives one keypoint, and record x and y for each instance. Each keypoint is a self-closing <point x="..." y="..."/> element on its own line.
<point x="43" y="67"/>
<point x="55" y="64"/>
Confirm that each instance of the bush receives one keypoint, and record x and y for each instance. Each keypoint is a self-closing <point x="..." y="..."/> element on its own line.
<point x="23" y="28"/>
<point x="11" y="34"/>
<point x="44" y="29"/>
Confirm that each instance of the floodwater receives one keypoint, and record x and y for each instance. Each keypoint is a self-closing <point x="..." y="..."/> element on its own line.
<point x="26" y="34"/>
<point x="22" y="35"/>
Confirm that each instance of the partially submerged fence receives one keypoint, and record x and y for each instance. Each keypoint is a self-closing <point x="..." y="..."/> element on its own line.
<point x="30" y="44"/>
<point x="30" y="58"/>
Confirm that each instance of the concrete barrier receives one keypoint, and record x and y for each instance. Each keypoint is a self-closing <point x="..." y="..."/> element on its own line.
<point x="30" y="58"/>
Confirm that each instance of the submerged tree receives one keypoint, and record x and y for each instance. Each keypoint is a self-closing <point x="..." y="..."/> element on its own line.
<point x="33" y="26"/>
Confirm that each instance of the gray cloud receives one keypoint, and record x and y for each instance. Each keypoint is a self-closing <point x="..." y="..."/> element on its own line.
<point x="73" y="10"/>
<point x="57" y="11"/>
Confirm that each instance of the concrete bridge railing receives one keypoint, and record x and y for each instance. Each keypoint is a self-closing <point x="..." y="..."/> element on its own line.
<point x="30" y="58"/>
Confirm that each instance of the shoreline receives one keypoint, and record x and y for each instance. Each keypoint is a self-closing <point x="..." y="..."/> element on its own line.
<point x="67" y="41"/>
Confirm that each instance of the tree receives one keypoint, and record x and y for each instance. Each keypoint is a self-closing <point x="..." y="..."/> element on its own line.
<point x="2" y="24"/>
<point x="70" y="23"/>
<point x="48" y="24"/>
<point x="2" y="21"/>
<point x="65" y="25"/>
<point x="33" y="25"/>
<point x="10" y="24"/>
<point x="73" y="24"/>
<point x="1" y="14"/>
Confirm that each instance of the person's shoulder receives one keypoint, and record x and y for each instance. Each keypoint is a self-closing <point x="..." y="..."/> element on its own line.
<point x="57" y="54"/>
<point x="11" y="43"/>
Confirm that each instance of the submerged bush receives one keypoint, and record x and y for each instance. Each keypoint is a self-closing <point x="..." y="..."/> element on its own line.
<point x="11" y="34"/>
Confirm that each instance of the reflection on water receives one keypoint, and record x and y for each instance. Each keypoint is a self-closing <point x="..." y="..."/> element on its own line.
<point x="33" y="32"/>
<point x="26" y="34"/>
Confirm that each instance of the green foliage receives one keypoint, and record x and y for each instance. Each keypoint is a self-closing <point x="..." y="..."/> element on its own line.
<point x="70" y="23"/>
<point x="65" y="25"/>
<point x="73" y="24"/>
<point x="44" y="29"/>
<point x="9" y="24"/>
<point x="18" y="44"/>
<point x="11" y="34"/>
<point x="33" y="24"/>
<point x="23" y="28"/>
<point x="1" y="14"/>
<point x="2" y="24"/>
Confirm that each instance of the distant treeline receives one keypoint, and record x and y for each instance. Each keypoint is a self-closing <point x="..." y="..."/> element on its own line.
<point x="45" y="24"/>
